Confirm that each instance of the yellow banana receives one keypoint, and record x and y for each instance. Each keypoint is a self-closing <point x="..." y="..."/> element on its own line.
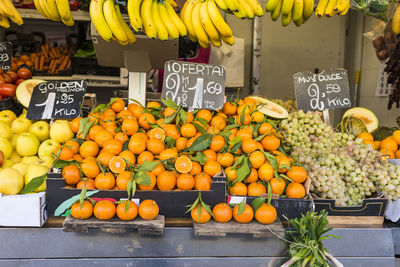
<point x="247" y="8"/>
<point x="286" y="19"/>
<point x="204" y="45"/>
<point x="131" y="36"/>
<point x="99" y="22"/>
<point x="166" y="19"/>
<point x="341" y="5"/>
<point x="329" y="11"/>
<point x="396" y="20"/>
<point x="186" y="16"/>
<point x="207" y="23"/>
<point x="320" y="11"/>
<point x="200" y="33"/>
<point x="112" y="20"/>
<point x="287" y="6"/>
<point x="45" y="11"/>
<point x="39" y="8"/>
<point x="228" y="40"/>
<point x="277" y="11"/>
<point x="3" y="11"/>
<point x="241" y="13"/>
<point x="4" y="22"/>
<point x="162" y="31"/>
<point x="297" y="11"/>
<point x="133" y="9"/>
<point x="173" y="3"/>
<point x="63" y="9"/>
<point x="12" y="12"/>
<point x="217" y="19"/>
<point x="271" y="5"/>
<point x="308" y="9"/>
<point x="344" y="12"/>
<point x="222" y="5"/>
<point x="69" y="22"/>
<point x="233" y="5"/>
<point x="216" y="43"/>
<point x="298" y="22"/>
<point x="257" y="8"/>
<point x="148" y="23"/>
<point x="175" y="19"/>
<point x="51" y="7"/>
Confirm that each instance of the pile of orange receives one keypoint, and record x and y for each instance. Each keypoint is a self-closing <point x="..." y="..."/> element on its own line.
<point x="223" y="213"/>
<point x="118" y="138"/>
<point x="389" y="146"/>
<point x="106" y="210"/>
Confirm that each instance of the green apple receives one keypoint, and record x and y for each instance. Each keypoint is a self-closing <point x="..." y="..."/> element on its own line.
<point x="5" y="130"/>
<point x="14" y="140"/>
<point x="60" y="131"/>
<point x="20" y="125"/>
<point x="30" y="160"/>
<point x="21" y="167"/>
<point x="33" y="171"/>
<point x="11" y="181"/>
<point x="48" y="148"/>
<point x="15" y="157"/>
<point x="47" y="161"/>
<point x="41" y="129"/>
<point x="27" y="144"/>
<point x="6" y="147"/>
<point x="7" y="116"/>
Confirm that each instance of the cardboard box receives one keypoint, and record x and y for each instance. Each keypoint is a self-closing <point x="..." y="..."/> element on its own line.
<point x="23" y="210"/>
<point x="145" y="54"/>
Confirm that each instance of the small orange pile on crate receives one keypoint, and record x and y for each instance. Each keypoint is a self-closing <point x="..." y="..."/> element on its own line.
<point x="164" y="147"/>
<point x="390" y="146"/>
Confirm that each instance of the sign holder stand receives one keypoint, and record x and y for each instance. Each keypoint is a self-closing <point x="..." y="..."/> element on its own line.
<point x="137" y="87"/>
<point x="325" y="114"/>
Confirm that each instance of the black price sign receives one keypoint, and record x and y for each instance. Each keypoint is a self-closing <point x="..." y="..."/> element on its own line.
<point x="5" y="55"/>
<point x="56" y="100"/>
<point x="194" y="85"/>
<point x="326" y="90"/>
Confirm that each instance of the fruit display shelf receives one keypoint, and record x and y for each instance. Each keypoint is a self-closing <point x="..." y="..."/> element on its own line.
<point x="172" y="204"/>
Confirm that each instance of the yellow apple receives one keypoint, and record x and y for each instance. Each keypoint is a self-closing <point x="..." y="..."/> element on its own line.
<point x="7" y="164"/>
<point x="47" y="161"/>
<point x="30" y="160"/>
<point x="7" y="116"/>
<point x="41" y="129"/>
<point x="6" y="148"/>
<point x="11" y="181"/>
<point x="5" y="130"/>
<point x="20" y="125"/>
<point x="27" y="144"/>
<point x="15" y="157"/>
<point x="14" y="140"/>
<point x="60" y="131"/>
<point x="33" y="171"/>
<point x="21" y="167"/>
<point x="47" y="148"/>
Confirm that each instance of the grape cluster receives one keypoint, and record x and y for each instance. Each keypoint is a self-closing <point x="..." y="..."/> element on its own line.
<point x="340" y="166"/>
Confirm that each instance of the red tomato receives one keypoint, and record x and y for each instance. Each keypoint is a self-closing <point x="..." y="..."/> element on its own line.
<point x="24" y="73"/>
<point x="7" y="78"/>
<point x="7" y="90"/>
<point x="13" y="76"/>
<point x="19" y="81"/>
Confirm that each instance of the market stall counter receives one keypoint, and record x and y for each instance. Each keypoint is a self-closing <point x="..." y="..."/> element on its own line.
<point x="178" y="246"/>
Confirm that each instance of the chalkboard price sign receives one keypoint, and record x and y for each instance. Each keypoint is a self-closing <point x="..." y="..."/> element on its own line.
<point x="326" y="90"/>
<point x="56" y="100"/>
<point x="5" y="55"/>
<point x="194" y="85"/>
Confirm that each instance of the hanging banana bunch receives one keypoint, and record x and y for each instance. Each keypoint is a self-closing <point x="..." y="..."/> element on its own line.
<point x="8" y="11"/>
<point x="205" y="23"/>
<point x="243" y="9"/>
<point x="107" y="19"/>
<point x="396" y="20"/>
<point x="55" y="10"/>
<point x="329" y="8"/>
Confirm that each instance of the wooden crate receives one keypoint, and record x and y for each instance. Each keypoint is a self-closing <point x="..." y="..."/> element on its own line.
<point x="258" y="230"/>
<point x="115" y="225"/>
